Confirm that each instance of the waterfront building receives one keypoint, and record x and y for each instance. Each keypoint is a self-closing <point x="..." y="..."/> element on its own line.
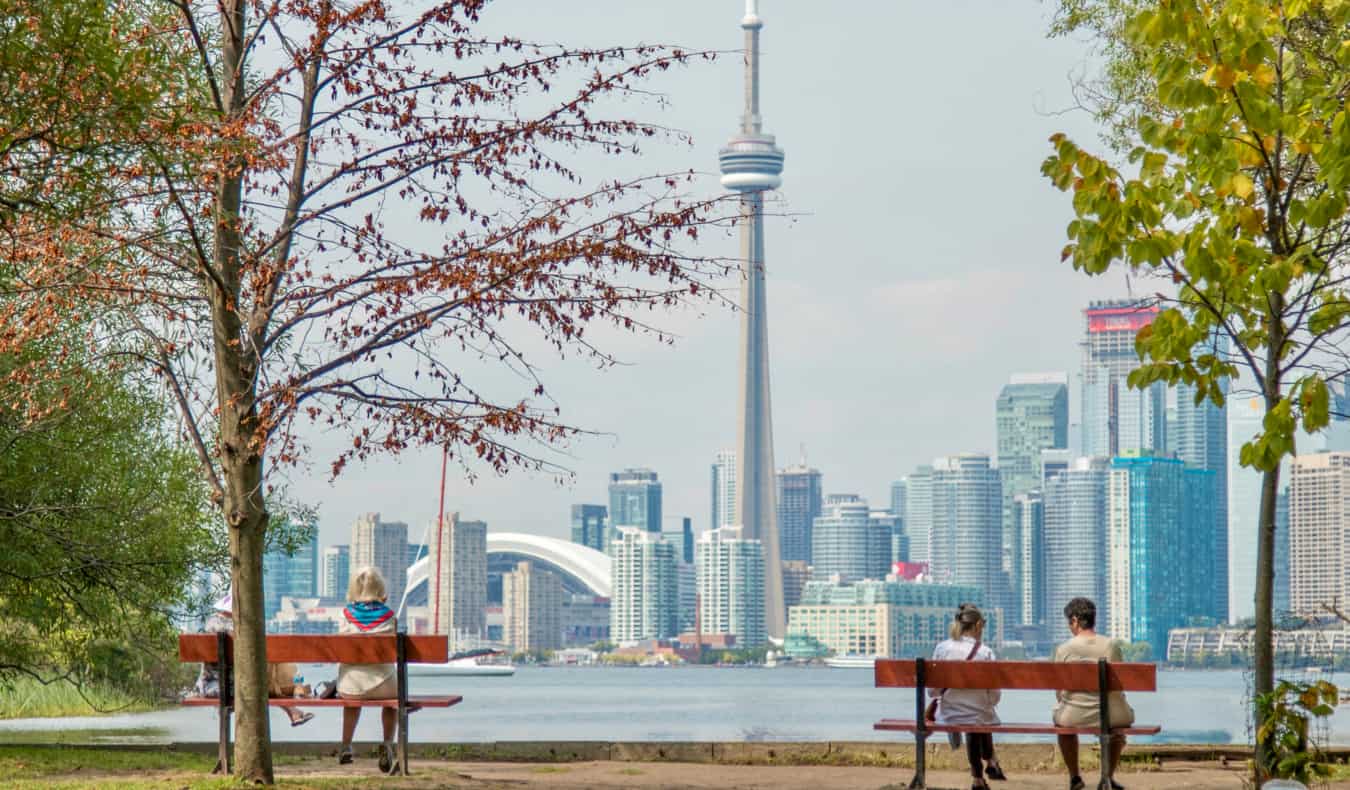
<point x="731" y="585"/>
<point x="294" y="574"/>
<point x="1199" y="437"/>
<point x="801" y="501"/>
<point x="1031" y="415"/>
<point x="305" y="615"/>
<point x="634" y="500"/>
<point x="1160" y="520"/>
<point x="890" y="543"/>
<point x="887" y="619"/>
<point x="723" y="493"/>
<point x="795" y="576"/>
<point x="459" y="578"/>
<point x="589" y="526"/>
<point x="919" y="513"/>
<point x="532" y="601"/>
<point x="965" y="545"/>
<point x="1117" y="418"/>
<point x="1319" y="522"/>
<point x="751" y="164"/>
<point x="847" y="543"/>
<point x="585" y="619"/>
<point x="384" y="545"/>
<point x="686" y="594"/>
<point x="645" y="602"/>
<point x="335" y="572"/>
<point x="683" y="540"/>
<point x="1028" y="516"/>
<point x="1075" y="542"/>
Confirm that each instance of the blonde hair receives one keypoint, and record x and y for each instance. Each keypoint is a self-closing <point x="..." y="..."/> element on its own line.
<point x="366" y="585"/>
<point x="968" y="618"/>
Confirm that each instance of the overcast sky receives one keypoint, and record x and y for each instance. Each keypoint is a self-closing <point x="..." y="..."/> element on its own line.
<point x="919" y="271"/>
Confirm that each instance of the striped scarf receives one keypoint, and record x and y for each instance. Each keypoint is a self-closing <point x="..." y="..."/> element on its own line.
<point x="367" y="615"/>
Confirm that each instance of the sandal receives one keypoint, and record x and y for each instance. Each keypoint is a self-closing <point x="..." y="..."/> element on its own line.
<point x="304" y="718"/>
<point x="345" y="756"/>
<point x="979" y="784"/>
<point x="995" y="771"/>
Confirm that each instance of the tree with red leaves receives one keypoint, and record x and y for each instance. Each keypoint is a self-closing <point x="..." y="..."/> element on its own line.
<point x="328" y="221"/>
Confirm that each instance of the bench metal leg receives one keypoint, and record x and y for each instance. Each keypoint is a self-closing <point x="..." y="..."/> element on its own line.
<point x="920" y="781"/>
<point x="225" y="692"/>
<point x="1104" y="711"/>
<point x="403" y="703"/>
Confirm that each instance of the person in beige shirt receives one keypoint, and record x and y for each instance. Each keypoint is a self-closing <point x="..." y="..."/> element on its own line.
<point x="367" y="613"/>
<point x="1083" y="708"/>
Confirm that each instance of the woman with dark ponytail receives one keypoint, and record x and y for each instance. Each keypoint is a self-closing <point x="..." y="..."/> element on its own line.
<point x="969" y="706"/>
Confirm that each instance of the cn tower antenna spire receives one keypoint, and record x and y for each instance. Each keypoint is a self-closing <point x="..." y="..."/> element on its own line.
<point x="751" y="164"/>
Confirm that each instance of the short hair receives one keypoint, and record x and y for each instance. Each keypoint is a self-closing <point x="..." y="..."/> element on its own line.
<point x="968" y="618"/>
<point x="1083" y="609"/>
<point x="366" y="585"/>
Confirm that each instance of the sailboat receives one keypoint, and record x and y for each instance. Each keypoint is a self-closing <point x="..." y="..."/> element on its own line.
<point x="464" y="663"/>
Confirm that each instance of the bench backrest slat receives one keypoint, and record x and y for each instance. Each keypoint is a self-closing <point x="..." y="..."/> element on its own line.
<point x="1023" y="675"/>
<point x="328" y="649"/>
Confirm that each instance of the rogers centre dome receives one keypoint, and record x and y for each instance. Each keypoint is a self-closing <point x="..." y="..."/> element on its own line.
<point x="583" y="570"/>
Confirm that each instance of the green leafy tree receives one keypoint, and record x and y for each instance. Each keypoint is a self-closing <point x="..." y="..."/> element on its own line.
<point x="1235" y="197"/>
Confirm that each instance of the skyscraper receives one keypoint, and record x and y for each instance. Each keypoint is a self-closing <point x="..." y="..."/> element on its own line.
<point x="919" y="513"/>
<point x="384" y="545"/>
<point x="1075" y="541"/>
<point x="532" y="601"/>
<point x="291" y="575"/>
<point x="1200" y="439"/>
<point x="800" y="502"/>
<point x="588" y="526"/>
<point x="1115" y="417"/>
<point x="458" y="592"/>
<point x="634" y="500"/>
<point x="751" y="164"/>
<point x="848" y="543"/>
<point x="965" y="544"/>
<point x="1031" y="415"/>
<point x="731" y="585"/>
<point x="1319" y="522"/>
<point x="645" y="602"/>
<point x="337" y="565"/>
<point x="1029" y="521"/>
<point x="1245" y="415"/>
<point x="898" y="489"/>
<point x="723" y="490"/>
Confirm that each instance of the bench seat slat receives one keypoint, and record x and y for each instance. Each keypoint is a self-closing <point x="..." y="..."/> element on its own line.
<point x="337" y="702"/>
<point x="1016" y="675"/>
<point x="908" y="725"/>
<point x="327" y="649"/>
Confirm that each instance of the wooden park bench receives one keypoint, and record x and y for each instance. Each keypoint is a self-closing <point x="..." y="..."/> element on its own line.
<point x="1101" y="677"/>
<point x="399" y="649"/>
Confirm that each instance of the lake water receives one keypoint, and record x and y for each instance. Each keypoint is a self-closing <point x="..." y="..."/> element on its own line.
<point x="688" y="704"/>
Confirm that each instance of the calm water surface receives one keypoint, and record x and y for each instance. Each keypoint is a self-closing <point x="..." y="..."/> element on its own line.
<point x="688" y="704"/>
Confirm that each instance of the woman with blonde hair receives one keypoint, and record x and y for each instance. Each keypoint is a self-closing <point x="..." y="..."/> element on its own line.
<point x="367" y="613"/>
<point x="969" y="706"/>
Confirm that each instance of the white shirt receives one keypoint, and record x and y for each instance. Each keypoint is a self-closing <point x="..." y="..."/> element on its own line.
<point x="965" y="706"/>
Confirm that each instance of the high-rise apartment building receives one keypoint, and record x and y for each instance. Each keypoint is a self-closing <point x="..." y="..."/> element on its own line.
<point x="588" y="526"/>
<point x="891" y="544"/>
<point x="293" y="575"/>
<point x="1028" y="516"/>
<point x="965" y="544"/>
<point x="384" y="545"/>
<point x="1031" y="416"/>
<point x="723" y="490"/>
<point x="634" y="500"/>
<point x="1115" y="417"/>
<point x="731" y="585"/>
<point x="795" y="576"/>
<point x="645" y="602"/>
<point x="801" y="500"/>
<point x="458" y="582"/>
<point x="1160" y="519"/>
<point x="1075" y="542"/>
<point x="898" y="489"/>
<point x="335" y="573"/>
<point x="848" y="543"/>
<point x="919" y="513"/>
<point x="1199" y="437"/>
<point x="1319" y="523"/>
<point x="532" y="601"/>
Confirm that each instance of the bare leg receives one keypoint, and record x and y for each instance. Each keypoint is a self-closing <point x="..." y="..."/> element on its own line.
<point x="349" y="718"/>
<point x="1068" y="749"/>
<point x="293" y="714"/>
<point x="389" y="718"/>
<point x="1117" y="749"/>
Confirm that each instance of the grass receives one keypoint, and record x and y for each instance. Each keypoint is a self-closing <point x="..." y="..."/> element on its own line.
<point x="26" y="698"/>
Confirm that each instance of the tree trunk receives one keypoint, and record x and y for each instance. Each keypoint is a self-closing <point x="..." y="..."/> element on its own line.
<point x="252" y="746"/>
<point x="1263" y="649"/>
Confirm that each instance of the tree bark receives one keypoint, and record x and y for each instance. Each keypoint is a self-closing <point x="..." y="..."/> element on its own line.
<point x="1263" y="649"/>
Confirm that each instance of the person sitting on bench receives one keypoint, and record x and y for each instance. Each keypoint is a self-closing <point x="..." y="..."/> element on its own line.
<point x="969" y="706"/>
<point x="1083" y="708"/>
<point x="366" y="613"/>
<point x="280" y="677"/>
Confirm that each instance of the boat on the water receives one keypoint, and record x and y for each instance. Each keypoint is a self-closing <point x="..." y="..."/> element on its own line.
<point x="851" y="662"/>
<point x="466" y="663"/>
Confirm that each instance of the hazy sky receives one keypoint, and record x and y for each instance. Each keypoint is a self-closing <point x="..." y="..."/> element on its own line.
<point x="920" y="269"/>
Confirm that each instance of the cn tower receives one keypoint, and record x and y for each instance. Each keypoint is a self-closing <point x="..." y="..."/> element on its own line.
<point x="751" y="163"/>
